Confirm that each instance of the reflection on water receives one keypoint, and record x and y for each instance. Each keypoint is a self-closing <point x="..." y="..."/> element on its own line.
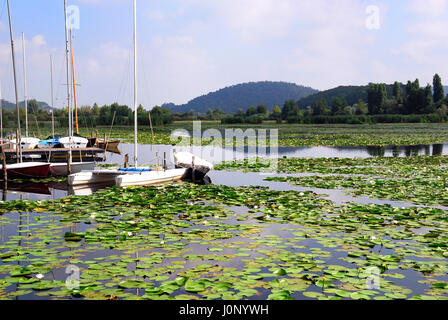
<point x="407" y="151"/>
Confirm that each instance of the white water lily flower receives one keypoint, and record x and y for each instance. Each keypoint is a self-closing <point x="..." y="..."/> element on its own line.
<point x="92" y="216"/>
<point x="395" y="222"/>
<point x="372" y="238"/>
<point x="132" y="222"/>
<point x="40" y="276"/>
<point x="162" y="242"/>
<point x="301" y="194"/>
<point x="129" y="234"/>
<point x="205" y="222"/>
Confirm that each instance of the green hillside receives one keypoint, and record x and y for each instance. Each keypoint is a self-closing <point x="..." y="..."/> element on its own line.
<point x="242" y="96"/>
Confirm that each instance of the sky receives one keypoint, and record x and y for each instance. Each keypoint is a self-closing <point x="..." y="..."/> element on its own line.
<point x="187" y="48"/>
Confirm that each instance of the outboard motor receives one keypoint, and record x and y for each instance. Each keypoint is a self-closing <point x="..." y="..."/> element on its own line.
<point x="197" y="168"/>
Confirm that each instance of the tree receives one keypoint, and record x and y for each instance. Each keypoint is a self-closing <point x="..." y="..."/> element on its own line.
<point x="428" y="106"/>
<point x="397" y="91"/>
<point x="290" y="108"/>
<point x="377" y="96"/>
<point x="321" y="108"/>
<point x="361" y="108"/>
<point x="251" y="111"/>
<point x="308" y="111"/>
<point x="263" y="110"/>
<point x="277" y="114"/>
<point x="439" y="92"/>
<point x="338" y="107"/>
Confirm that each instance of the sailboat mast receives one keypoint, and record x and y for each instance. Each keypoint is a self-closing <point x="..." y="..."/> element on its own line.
<point x="25" y="85"/>
<point x="74" y="83"/>
<point x="15" y="78"/>
<point x="52" y="95"/>
<point x="135" y="88"/>
<point x="68" y="84"/>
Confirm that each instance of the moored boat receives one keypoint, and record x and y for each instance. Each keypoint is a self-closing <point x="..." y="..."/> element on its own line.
<point x="110" y="146"/>
<point x="64" y="142"/>
<point x="149" y="177"/>
<point x="27" y="170"/>
<point x="61" y="169"/>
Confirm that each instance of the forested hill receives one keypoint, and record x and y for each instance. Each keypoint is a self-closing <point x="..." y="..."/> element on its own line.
<point x="242" y="96"/>
<point x="7" y="105"/>
<point x="352" y="94"/>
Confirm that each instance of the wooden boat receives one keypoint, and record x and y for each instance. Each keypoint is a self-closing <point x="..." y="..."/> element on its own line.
<point x="110" y="146"/>
<point x="27" y="170"/>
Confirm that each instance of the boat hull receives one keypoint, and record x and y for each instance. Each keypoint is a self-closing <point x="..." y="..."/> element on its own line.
<point x="149" y="178"/>
<point x="27" y="170"/>
<point x="93" y="177"/>
<point x="61" y="169"/>
<point x="110" y="146"/>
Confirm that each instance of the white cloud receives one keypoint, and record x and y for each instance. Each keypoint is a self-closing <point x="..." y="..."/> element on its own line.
<point x="431" y="8"/>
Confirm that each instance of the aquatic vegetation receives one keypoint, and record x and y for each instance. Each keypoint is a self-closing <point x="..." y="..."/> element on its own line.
<point x="218" y="242"/>
<point x="420" y="180"/>
<point x="300" y="135"/>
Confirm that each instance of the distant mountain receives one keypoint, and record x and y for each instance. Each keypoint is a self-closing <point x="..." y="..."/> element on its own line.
<point x="7" y="105"/>
<point x="242" y="96"/>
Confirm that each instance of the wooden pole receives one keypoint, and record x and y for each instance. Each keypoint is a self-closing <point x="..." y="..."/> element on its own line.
<point x="192" y="169"/>
<point x="164" y="161"/>
<point x="69" y="165"/>
<point x="5" y="171"/>
<point x="126" y="161"/>
<point x="18" y="146"/>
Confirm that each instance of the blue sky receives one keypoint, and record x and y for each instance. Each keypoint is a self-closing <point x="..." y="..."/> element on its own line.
<point x="191" y="47"/>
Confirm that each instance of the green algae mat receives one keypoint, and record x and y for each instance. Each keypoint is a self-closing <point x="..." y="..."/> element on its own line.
<point x="189" y="242"/>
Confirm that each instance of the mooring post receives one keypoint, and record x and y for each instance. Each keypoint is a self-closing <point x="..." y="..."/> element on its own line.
<point x="126" y="161"/>
<point x="164" y="161"/>
<point x="17" y="146"/>
<point x="5" y="171"/>
<point x="69" y="164"/>
<point x="193" y="169"/>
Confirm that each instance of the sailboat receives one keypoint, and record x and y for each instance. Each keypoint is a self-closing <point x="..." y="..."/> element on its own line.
<point x="20" y="169"/>
<point x="130" y="176"/>
<point x="73" y="141"/>
<point x="26" y="142"/>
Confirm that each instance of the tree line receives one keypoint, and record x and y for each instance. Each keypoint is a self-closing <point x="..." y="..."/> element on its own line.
<point x="408" y="103"/>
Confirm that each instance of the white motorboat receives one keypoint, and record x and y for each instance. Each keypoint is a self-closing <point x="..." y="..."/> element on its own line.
<point x="149" y="177"/>
<point x="92" y="177"/>
<point x="25" y="143"/>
